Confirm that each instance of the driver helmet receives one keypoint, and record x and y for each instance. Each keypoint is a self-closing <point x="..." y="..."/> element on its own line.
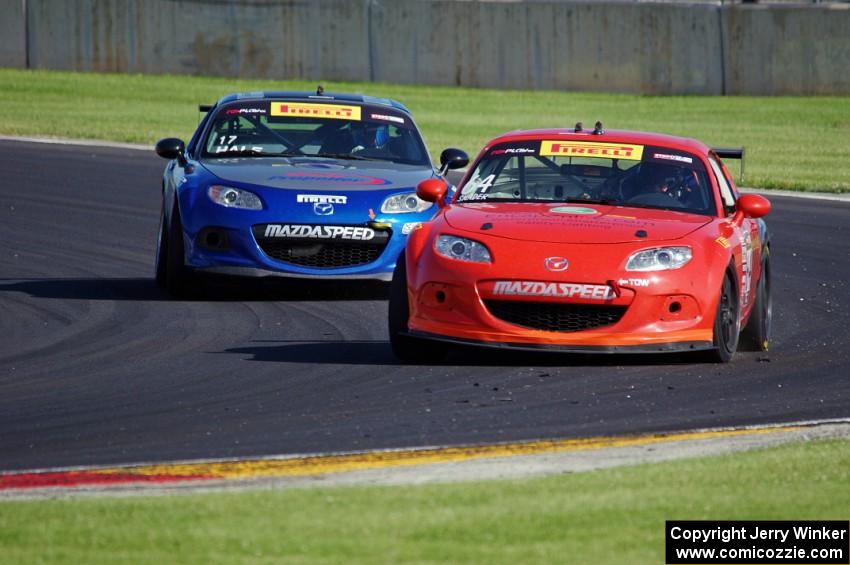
<point x="655" y="178"/>
<point x="371" y="135"/>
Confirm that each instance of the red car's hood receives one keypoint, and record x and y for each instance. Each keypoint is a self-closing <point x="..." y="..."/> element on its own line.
<point x="572" y="223"/>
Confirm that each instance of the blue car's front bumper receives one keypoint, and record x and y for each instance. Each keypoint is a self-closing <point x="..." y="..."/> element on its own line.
<point x="240" y="253"/>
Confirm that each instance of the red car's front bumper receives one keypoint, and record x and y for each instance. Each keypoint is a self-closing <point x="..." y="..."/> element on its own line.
<point x="594" y="305"/>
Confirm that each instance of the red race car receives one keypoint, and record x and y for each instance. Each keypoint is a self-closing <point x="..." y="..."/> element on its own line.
<point x="586" y="241"/>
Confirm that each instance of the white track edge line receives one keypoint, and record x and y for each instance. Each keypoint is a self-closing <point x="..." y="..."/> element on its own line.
<point x="751" y="427"/>
<point x="79" y="142"/>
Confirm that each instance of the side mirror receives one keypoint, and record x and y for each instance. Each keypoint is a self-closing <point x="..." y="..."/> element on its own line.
<point x="453" y="158"/>
<point x="433" y="190"/>
<point x="171" y="148"/>
<point x="753" y="205"/>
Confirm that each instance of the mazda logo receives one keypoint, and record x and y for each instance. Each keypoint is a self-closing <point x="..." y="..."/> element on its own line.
<point x="323" y="208"/>
<point x="556" y="264"/>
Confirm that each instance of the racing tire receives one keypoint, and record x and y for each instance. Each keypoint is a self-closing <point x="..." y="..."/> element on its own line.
<point x="726" y="324"/>
<point x="161" y="252"/>
<point x="756" y="334"/>
<point x="408" y="349"/>
<point x="178" y="279"/>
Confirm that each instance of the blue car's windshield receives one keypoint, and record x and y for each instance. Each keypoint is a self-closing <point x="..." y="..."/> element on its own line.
<point x="313" y="129"/>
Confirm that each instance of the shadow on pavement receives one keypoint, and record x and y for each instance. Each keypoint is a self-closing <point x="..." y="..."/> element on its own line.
<point x="212" y="289"/>
<point x="378" y="352"/>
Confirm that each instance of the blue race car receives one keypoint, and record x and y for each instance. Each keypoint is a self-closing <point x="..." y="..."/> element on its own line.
<point x="293" y="184"/>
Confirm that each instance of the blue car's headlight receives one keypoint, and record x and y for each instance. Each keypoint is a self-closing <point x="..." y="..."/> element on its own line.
<point x="234" y="197"/>
<point x="462" y="249"/>
<point x="659" y="259"/>
<point x="404" y="203"/>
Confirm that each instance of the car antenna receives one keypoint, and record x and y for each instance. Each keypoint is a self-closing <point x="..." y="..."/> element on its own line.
<point x="320" y="91"/>
<point x="597" y="130"/>
<point x="578" y="127"/>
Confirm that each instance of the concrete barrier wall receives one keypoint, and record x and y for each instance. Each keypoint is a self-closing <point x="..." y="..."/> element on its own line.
<point x="625" y="47"/>
<point x="802" y="50"/>
<point x="13" y="45"/>
<point x="545" y="44"/>
<point x="296" y="38"/>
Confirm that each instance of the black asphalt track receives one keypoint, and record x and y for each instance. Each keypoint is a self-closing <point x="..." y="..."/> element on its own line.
<point x="97" y="366"/>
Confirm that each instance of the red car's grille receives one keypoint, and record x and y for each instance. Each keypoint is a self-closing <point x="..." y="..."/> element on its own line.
<point x="555" y="316"/>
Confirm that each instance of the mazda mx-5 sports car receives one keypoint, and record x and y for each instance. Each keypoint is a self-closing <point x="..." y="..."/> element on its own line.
<point x="293" y="184"/>
<point x="581" y="241"/>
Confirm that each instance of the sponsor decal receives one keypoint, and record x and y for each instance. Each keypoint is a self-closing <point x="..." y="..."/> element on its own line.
<point x="244" y="111"/>
<point x="556" y="290"/>
<point x="329" y="111"/>
<point x="323" y="208"/>
<point x="556" y="264"/>
<point x="319" y="177"/>
<point x="513" y="151"/>
<point x="237" y="148"/>
<point x="387" y="118"/>
<point x="573" y="210"/>
<point x="410" y="226"/>
<point x="321" y="198"/>
<point x="296" y="231"/>
<point x="680" y="158"/>
<point x="591" y="149"/>
<point x="634" y="282"/>
<point x="722" y="242"/>
<point x="747" y="266"/>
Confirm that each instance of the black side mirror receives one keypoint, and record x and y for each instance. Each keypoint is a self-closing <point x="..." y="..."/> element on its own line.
<point x="171" y="148"/>
<point x="453" y="158"/>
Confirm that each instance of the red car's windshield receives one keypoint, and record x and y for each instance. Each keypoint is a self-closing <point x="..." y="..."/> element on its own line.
<point x="609" y="173"/>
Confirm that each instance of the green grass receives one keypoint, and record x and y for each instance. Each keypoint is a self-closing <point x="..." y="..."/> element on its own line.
<point x="609" y="516"/>
<point x="792" y="142"/>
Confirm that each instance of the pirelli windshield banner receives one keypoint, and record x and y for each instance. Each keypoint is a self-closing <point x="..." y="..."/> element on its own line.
<point x="591" y="149"/>
<point x="280" y="110"/>
<point x="312" y="110"/>
<point x="584" y="150"/>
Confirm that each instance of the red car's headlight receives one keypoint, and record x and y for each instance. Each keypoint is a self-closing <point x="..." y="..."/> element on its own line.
<point x="659" y="259"/>
<point x="462" y="249"/>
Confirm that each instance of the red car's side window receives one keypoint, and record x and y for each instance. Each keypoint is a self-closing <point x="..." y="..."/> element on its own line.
<point x="729" y="180"/>
<point x="727" y="195"/>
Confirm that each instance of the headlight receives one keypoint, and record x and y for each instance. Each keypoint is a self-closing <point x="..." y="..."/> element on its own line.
<point x="404" y="203"/>
<point x="462" y="249"/>
<point x="234" y="197"/>
<point x="659" y="259"/>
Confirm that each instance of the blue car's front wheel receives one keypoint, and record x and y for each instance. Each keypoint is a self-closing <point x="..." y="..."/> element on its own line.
<point x="178" y="281"/>
<point x="161" y="250"/>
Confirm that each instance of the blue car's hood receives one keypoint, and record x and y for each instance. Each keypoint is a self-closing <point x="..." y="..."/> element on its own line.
<point x="310" y="174"/>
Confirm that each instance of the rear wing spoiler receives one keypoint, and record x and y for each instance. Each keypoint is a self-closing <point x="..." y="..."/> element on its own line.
<point x="731" y="153"/>
<point x="205" y="107"/>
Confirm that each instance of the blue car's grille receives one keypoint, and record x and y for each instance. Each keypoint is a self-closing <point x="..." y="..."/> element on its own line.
<point x="283" y="243"/>
<point x="322" y="255"/>
<point x="554" y="316"/>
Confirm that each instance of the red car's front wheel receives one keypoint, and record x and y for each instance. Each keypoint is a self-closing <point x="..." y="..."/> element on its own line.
<point x="406" y="348"/>
<point x="726" y="322"/>
<point x="756" y="334"/>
